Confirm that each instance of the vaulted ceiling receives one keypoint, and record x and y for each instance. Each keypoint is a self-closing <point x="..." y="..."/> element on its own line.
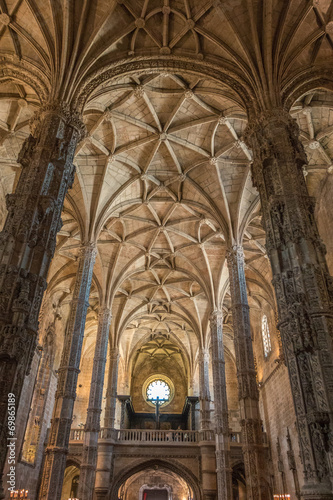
<point x="163" y="178"/>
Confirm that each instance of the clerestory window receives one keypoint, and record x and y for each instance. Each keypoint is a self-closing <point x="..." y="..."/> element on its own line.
<point x="266" y="338"/>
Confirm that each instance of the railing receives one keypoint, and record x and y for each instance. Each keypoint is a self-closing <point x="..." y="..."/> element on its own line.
<point x="158" y="436"/>
<point x="153" y="436"/>
<point x="235" y="437"/>
<point x="76" y="435"/>
<point x="206" y="435"/>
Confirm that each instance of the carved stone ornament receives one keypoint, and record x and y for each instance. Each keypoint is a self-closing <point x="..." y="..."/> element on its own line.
<point x="92" y="426"/>
<point x="161" y="64"/>
<point x="55" y="460"/>
<point x="28" y="240"/>
<point x="253" y="450"/>
<point x="204" y="389"/>
<point x="302" y="287"/>
<point x="224" y="486"/>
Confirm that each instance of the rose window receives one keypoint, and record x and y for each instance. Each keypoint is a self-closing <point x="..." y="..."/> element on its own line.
<point x="158" y="390"/>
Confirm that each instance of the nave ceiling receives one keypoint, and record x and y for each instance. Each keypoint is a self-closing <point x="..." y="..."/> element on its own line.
<point x="163" y="178"/>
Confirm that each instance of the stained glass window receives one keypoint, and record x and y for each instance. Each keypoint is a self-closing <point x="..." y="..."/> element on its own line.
<point x="158" y="389"/>
<point x="265" y="335"/>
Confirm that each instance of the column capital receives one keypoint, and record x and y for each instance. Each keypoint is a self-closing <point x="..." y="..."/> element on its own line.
<point x="267" y="117"/>
<point x="105" y="311"/>
<point x="63" y="110"/>
<point x="266" y="132"/>
<point x="204" y="354"/>
<point x="114" y="353"/>
<point x="215" y="317"/>
<point x="88" y="249"/>
<point x="104" y="317"/>
<point x="235" y="253"/>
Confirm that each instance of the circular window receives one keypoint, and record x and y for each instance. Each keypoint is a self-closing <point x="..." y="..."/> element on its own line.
<point x="159" y="388"/>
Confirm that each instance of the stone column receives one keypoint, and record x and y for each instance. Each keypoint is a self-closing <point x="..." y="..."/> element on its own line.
<point x="111" y="391"/>
<point x="223" y="472"/>
<point x="204" y="389"/>
<point x="27" y="244"/>
<point x="55" y="460"/>
<point x="292" y="465"/>
<point x="207" y="448"/>
<point x="303" y="288"/>
<point x="92" y="427"/>
<point x="40" y="398"/>
<point x="252" y="439"/>
<point x="105" y="446"/>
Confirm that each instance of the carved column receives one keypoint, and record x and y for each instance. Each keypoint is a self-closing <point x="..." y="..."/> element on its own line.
<point x="27" y="244"/>
<point x="40" y="398"/>
<point x="92" y="427"/>
<point x="111" y="391"/>
<point x="223" y="472"/>
<point x="105" y="447"/>
<point x="55" y="460"/>
<point x="303" y="287"/>
<point x="292" y="465"/>
<point x="204" y="389"/>
<point x="281" y="467"/>
<point x="252" y="440"/>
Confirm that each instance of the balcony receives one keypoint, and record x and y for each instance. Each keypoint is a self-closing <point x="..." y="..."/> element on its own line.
<point x="156" y="437"/>
<point x="145" y="436"/>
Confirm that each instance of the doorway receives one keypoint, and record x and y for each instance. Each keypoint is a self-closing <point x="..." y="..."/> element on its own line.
<point x="155" y="494"/>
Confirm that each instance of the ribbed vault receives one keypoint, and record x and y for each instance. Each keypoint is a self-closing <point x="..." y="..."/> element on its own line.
<point x="163" y="180"/>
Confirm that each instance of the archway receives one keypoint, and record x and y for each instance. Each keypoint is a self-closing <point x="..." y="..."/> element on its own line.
<point x="238" y="482"/>
<point x="71" y="482"/>
<point x="156" y="477"/>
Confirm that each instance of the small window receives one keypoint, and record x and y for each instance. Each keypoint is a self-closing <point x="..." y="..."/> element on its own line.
<point x="158" y="390"/>
<point x="266" y="338"/>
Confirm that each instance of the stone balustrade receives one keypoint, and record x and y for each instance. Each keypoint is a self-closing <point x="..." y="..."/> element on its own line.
<point x="76" y="435"/>
<point x="157" y="436"/>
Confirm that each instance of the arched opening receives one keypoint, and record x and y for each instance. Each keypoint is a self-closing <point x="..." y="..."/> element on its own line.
<point x="71" y="482"/>
<point x="156" y="480"/>
<point x="238" y="482"/>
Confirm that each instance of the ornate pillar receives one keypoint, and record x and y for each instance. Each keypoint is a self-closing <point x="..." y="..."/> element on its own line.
<point x="283" y="489"/>
<point x="111" y="391"/>
<point x="27" y="244"/>
<point x="292" y="465"/>
<point x="252" y="440"/>
<point x="92" y="427"/>
<point x="55" y="460"/>
<point x="105" y="446"/>
<point x="40" y="398"/>
<point x="204" y="389"/>
<point x="303" y="288"/>
<point x="223" y="472"/>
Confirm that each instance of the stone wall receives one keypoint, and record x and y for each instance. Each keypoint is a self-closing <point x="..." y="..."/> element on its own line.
<point x="276" y="402"/>
<point x="147" y="368"/>
<point x="278" y="415"/>
<point x="324" y="210"/>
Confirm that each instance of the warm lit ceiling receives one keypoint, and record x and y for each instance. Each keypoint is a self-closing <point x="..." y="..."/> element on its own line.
<point x="163" y="176"/>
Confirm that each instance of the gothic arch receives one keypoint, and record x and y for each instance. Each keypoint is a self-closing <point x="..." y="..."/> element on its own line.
<point x="309" y="81"/>
<point x="239" y="88"/>
<point x="22" y="74"/>
<point x="175" y="467"/>
<point x="74" y="461"/>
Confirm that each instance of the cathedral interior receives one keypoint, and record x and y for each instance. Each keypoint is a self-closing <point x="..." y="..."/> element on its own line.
<point x="166" y="246"/>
